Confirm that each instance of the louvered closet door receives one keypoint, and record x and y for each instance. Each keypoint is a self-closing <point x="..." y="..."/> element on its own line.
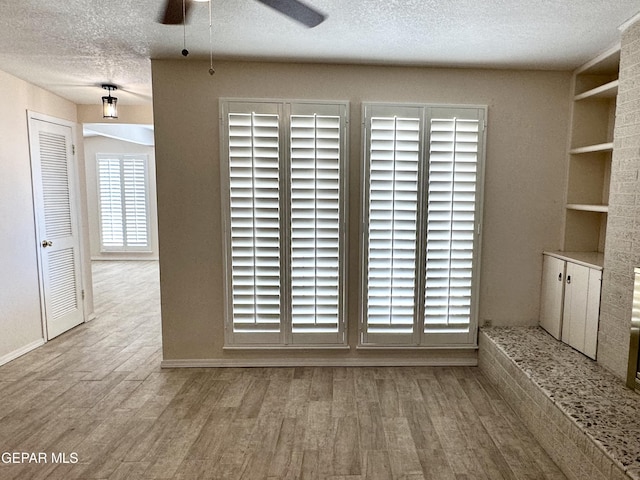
<point x="394" y="161"/>
<point x="254" y="192"/>
<point x="315" y="142"/>
<point x="452" y="218"/>
<point x="56" y="207"/>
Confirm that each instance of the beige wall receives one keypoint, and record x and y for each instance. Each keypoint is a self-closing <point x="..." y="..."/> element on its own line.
<point x="20" y="316"/>
<point x="135" y="114"/>
<point x="622" y="247"/>
<point x="94" y="146"/>
<point x="525" y="176"/>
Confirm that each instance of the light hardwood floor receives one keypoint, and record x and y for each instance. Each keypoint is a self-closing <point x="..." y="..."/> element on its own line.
<point x="98" y="392"/>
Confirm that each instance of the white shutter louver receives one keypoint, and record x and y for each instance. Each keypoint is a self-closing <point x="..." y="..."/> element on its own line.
<point x="392" y="224"/>
<point x="254" y="178"/>
<point x="315" y="223"/>
<point x="451" y="223"/>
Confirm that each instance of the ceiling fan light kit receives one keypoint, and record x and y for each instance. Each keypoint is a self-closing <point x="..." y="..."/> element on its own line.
<point x="176" y="12"/>
<point x="109" y="103"/>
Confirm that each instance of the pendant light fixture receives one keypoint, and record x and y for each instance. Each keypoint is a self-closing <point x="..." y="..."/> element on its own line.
<point x="109" y="103"/>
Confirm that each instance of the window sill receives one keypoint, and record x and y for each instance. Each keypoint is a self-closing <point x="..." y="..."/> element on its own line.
<point x="416" y="347"/>
<point x="286" y="347"/>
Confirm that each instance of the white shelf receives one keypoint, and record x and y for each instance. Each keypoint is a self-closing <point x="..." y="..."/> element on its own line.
<point x="583" y="207"/>
<point x="606" y="62"/>
<point x="608" y="90"/>
<point x="600" y="147"/>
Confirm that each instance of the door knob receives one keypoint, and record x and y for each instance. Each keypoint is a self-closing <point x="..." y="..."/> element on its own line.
<point x="47" y="243"/>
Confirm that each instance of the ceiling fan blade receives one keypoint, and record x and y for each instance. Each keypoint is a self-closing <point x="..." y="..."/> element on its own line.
<point x="297" y="11"/>
<point x="173" y="14"/>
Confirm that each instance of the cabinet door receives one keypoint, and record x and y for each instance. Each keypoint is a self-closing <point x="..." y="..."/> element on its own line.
<point x="581" y="308"/>
<point x="593" y="313"/>
<point x="551" y="305"/>
<point x="575" y="305"/>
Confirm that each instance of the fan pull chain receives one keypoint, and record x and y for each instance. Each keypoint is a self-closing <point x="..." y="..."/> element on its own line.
<point x="185" y="52"/>
<point x="211" y="70"/>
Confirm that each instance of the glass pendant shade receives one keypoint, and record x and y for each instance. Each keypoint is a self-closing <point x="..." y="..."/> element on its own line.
<point x="109" y="103"/>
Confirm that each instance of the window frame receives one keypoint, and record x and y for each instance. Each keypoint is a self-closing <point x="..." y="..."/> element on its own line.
<point x="286" y="337"/>
<point x="122" y="158"/>
<point x="418" y="338"/>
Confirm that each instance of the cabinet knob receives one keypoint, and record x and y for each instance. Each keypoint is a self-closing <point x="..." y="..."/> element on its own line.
<point x="560" y="277"/>
<point x="568" y="278"/>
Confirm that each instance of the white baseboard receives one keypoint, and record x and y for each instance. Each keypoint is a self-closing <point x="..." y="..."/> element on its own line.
<point x="384" y="361"/>
<point x="125" y="258"/>
<point x="21" y="351"/>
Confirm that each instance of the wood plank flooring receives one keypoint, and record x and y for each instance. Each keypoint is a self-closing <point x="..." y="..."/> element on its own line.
<point x="97" y="392"/>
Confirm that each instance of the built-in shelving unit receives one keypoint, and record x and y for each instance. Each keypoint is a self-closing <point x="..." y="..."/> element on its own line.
<point x="595" y="88"/>
<point x="572" y="278"/>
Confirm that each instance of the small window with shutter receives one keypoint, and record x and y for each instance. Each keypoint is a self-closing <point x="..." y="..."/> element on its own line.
<point x="123" y="202"/>
<point x="421" y="225"/>
<point x="283" y="170"/>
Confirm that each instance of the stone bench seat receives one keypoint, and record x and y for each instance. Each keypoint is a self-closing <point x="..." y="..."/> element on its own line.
<point x="583" y="415"/>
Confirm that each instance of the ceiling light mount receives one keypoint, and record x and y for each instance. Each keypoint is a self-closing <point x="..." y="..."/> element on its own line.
<point x="109" y="103"/>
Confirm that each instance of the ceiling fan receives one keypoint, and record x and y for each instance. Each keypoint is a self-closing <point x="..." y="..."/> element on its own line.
<point x="176" y="11"/>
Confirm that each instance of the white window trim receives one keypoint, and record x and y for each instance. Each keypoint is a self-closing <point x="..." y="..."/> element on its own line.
<point x="284" y="109"/>
<point x="125" y="248"/>
<point x="418" y="339"/>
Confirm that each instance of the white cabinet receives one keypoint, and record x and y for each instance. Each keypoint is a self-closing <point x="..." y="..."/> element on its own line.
<point x="570" y="302"/>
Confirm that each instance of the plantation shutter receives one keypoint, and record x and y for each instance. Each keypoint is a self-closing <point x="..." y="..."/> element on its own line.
<point x="135" y="201"/>
<point x="315" y="142"/>
<point x="110" y="194"/>
<point x="392" y="221"/>
<point x="123" y="197"/>
<point x="421" y="224"/>
<point x="454" y="141"/>
<point x="254" y="195"/>
<point x="284" y="230"/>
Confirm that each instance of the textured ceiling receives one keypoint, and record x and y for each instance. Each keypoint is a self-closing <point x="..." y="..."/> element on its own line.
<point x="70" y="47"/>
